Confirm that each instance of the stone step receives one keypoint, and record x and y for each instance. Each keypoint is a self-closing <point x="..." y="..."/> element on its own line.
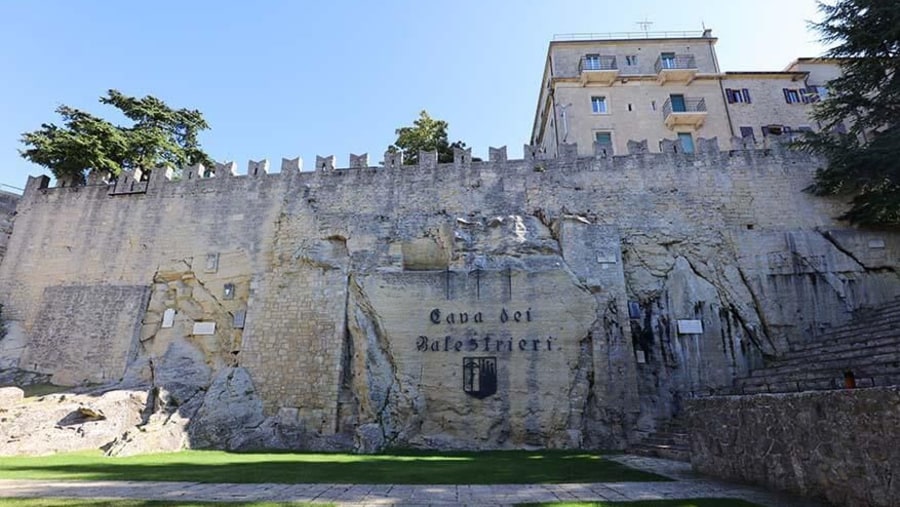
<point x="888" y="358"/>
<point x="837" y="348"/>
<point x="862" y="328"/>
<point x="673" y="453"/>
<point x="864" y="317"/>
<point x="846" y="354"/>
<point x="877" y="330"/>
<point x="680" y="441"/>
<point x="882" y="375"/>
<point x="816" y="385"/>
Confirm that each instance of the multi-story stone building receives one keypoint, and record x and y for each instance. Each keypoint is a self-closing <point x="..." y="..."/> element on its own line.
<point x="601" y="92"/>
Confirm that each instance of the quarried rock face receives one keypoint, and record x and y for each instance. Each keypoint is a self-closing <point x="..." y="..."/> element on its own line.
<point x="470" y="360"/>
<point x="501" y="304"/>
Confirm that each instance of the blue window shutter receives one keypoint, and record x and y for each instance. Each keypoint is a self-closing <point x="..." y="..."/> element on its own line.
<point x="746" y="93"/>
<point x="787" y="95"/>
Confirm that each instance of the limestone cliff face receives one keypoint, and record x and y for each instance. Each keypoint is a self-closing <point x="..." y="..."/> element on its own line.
<point x="504" y="304"/>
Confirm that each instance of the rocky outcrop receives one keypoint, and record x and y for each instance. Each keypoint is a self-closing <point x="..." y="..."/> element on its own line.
<point x="230" y="412"/>
<point x="68" y="422"/>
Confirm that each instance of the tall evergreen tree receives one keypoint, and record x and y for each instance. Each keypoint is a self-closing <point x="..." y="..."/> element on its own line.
<point x="158" y="136"/>
<point x="426" y="134"/>
<point x="860" y="119"/>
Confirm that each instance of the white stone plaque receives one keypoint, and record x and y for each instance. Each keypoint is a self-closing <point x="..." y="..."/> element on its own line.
<point x="688" y="326"/>
<point x="641" y="358"/>
<point x="168" y="317"/>
<point x="606" y="258"/>
<point x="204" y="328"/>
<point x="876" y="243"/>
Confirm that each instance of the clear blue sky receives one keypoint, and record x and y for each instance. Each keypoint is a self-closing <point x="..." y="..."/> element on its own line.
<point x="282" y="79"/>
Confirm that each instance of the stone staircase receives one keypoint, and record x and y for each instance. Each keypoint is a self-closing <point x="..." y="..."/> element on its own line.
<point x="867" y="347"/>
<point x="670" y="441"/>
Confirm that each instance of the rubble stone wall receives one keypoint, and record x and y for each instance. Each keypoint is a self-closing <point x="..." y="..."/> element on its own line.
<point x="837" y="446"/>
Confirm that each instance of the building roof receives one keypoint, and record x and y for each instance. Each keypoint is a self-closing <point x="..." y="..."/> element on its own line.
<point x="630" y="36"/>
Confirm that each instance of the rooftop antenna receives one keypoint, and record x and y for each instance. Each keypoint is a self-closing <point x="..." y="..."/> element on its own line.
<point x="645" y="26"/>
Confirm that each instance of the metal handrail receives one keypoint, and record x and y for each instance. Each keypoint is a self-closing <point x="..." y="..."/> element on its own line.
<point x="679" y="62"/>
<point x="690" y="106"/>
<point x="689" y="34"/>
<point x="603" y="62"/>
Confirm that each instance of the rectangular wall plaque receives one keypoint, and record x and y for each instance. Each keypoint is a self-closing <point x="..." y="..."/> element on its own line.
<point x="204" y="328"/>
<point x="688" y="326"/>
<point x="168" y="317"/>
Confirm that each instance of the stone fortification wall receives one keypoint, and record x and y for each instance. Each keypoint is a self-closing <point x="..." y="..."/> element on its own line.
<point x="837" y="446"/>
<point x="8" y="202"/>
<point x="607" y="289"/>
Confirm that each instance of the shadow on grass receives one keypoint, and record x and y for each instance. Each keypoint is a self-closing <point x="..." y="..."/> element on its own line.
<point x="83" y="502"/>
<point x="498" y="467"/>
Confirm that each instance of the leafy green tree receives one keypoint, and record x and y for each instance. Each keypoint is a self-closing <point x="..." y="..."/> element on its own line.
<point x="860" y="119"/>
<point x="426" y="134"/>
<point x="158" y="136"/>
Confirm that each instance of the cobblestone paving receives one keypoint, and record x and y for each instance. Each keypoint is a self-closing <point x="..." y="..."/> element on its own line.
<point x="686" y="485"/>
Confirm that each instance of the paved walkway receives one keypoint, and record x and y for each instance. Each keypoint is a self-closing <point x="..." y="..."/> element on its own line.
<point x="686" y="485"/>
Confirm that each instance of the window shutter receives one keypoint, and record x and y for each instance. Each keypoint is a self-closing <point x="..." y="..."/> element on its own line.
<point x="787" y="95"/>
<point x="729" y="94"/>
<point x="746" y="94"/>
<point x="804" y="97"/>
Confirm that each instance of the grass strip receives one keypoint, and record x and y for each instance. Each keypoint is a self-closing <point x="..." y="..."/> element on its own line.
<point x="87" y="502"/>
<point x="689" y="502"/>
<point x="495" y="467"/>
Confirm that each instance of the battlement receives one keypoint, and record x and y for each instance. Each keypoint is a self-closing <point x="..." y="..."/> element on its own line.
<point x="706" y="152"/>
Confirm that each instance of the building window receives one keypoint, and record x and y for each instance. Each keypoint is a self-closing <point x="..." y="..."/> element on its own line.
<point x="820" y="91"/>
<point x="736" y="96"/>
<point x="667" y="60"/>
<point x="631" y="60"/>
<point x="592" y="62"/>
<point x="678" y="103"/>
<point x="792" y="96"/>
<point x="598" y="105"/>
<point x="772" y="130"/>
<point x="747" y="133"/>
<point x="686" y="141"/>
<point x="604" y="142"/>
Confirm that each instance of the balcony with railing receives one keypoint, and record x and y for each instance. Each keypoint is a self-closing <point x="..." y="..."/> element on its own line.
<point x="598" y="69"/>
<point x="682" y="111"/>
<point x="676" y="68"/>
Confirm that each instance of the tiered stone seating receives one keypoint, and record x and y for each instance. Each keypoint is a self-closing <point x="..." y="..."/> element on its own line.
<point x="868" y="348"/>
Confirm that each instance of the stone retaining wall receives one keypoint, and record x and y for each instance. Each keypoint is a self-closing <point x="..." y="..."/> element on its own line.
<point x="839" y="446"/>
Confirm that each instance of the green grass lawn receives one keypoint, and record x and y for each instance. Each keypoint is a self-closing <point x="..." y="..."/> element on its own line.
<point x="499" y="467"/>
<point x="85" y="502"/>
<point x="693" y="502"/>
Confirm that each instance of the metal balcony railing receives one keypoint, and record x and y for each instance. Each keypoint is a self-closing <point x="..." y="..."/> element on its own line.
<point x="597" y="62"/>
<point x="677" y="62"/>
<point x="684" y="106"/>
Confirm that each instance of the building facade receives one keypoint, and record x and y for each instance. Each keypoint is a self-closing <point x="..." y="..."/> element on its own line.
<point x="600" y="93"/>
